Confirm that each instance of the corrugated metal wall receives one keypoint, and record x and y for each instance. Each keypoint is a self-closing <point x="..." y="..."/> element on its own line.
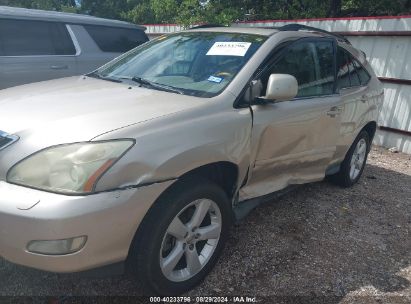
<point x="387" y="43"/>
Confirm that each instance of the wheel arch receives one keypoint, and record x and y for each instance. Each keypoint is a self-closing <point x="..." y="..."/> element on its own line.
<point x="371" y="129"/>
<point x="223" y="173"/>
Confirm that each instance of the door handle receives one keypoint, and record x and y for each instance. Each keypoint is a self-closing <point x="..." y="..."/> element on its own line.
<point x="59" y="67"/>
<point x="334" y="111"/>
<point x="364" y="98"/>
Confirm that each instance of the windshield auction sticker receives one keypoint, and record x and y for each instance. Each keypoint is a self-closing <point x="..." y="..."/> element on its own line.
<point x="229" y="49"/>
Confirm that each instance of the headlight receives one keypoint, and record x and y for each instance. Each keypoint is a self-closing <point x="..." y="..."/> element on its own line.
<point x="70" y="169"/>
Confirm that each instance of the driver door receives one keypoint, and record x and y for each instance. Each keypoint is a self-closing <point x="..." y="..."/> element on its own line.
<point x="294" y="141"/>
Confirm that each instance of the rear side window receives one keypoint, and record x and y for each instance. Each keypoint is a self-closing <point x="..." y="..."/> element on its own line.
<point x="354" y="78"/>
<point x="349" y="71"/>
<point x="116" y="40"/>
<point x="362" y="73"/>
<point x="312" y="64"/>
<point x="32" y="38"/>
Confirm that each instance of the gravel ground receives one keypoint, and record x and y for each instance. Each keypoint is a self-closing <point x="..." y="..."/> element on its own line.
<point x="317" y="242"/>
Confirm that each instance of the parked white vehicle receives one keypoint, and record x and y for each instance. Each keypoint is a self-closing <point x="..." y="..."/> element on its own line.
<point x="40" y="45"/>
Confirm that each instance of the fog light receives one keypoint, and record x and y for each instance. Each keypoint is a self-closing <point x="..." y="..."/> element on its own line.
<point x="57" y="247"/>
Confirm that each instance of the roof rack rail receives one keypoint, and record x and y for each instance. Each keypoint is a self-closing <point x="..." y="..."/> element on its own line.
<point x="206" y="26"/>
<point x="298" y="27"/>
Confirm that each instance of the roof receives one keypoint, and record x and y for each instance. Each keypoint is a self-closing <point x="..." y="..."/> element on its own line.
<point x="244" y="30"/>
<point x="33" y="14"/>
<point x="304" y="31"/>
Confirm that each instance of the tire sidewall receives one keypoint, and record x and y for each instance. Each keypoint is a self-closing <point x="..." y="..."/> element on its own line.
<point x="155" y="227"/>
<point x="347" y="163"/>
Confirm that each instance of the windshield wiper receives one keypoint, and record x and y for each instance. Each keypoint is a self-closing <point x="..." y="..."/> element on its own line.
<point x="99" y="76"/>
<point x="156" y="85"/>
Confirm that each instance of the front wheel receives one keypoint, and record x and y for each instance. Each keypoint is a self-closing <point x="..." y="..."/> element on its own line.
<point x="354" y="162"/>
<point x="181" y="238"/>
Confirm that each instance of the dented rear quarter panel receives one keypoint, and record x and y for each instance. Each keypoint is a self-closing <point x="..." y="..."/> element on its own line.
<point x="361" y="105"/>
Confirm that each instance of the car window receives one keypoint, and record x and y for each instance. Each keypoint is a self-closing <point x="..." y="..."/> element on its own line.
<point x="325" y="62"/>
<point x="116" y="40"/>
<point x="343" y="71"/>
<point x="350" y="72"/>
<point x="30" y="38"/>
<point x="362" y="73"/>
<point x="354" y="78"/>
<point x="197" y="63"/>
<point x="311" y="63"/>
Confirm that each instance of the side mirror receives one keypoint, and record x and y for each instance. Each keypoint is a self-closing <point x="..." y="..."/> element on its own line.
<point x="280" y="87"/>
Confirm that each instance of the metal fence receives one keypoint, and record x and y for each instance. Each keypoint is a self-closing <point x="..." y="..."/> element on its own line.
<point x="387" y="43"/>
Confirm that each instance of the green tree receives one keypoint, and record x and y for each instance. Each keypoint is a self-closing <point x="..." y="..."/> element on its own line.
<point x="39" y="4"/>
<point x="375" y="7"/>
<point x="191" y="12"/>
<point x="105" y="8"/>
<point x="334" y="9"/>
<point x="52" y="5"/>
<point x="165" y="11"/>
<point x="139" y="12"/>
<point x="188" y="12"/>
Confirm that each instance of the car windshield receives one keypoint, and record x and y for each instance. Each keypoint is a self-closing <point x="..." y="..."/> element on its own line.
<point x="198" y="63"/>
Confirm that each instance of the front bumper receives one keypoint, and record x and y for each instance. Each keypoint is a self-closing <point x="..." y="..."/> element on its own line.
<point x="109" y="220"/>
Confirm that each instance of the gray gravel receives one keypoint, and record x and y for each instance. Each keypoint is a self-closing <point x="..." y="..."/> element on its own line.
<point x="317" y="241"/>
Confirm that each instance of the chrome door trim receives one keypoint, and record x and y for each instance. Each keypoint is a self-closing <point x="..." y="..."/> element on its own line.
<point x="74" y="39"/>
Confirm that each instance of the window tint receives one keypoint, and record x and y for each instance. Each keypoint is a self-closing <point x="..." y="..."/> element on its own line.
<point x="362" y="73"/>
<point x="184" y="60"/>
<point x="325" y="61"/>
<point x="312" y="64"/>
<point x="343" y="75"/>
<point x="116" y="40"/>
<point x="350" y="71"/>
<point x="354" y="78"/>
<point x="25" y="38"/>
<point x="196" y="63"/>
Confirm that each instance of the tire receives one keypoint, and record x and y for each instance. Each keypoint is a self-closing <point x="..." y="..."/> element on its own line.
<point x="160" y="238"/>
<point x="346" y="177"/>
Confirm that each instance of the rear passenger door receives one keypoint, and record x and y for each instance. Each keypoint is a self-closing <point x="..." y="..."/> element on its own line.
<point x="32" y="51"/>
<point x="295" y="140"/>
<point x="352" y="81"/>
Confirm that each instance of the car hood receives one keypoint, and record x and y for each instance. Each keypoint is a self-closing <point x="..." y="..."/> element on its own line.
<point x="81" y="108"/>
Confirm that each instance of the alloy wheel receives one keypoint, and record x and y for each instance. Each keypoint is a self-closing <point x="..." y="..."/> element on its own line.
<point x="358" y="159"/>
<point x="190" y="240"/>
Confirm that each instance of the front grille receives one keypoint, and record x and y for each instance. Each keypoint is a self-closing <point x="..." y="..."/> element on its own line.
<point x="7" y="139"/>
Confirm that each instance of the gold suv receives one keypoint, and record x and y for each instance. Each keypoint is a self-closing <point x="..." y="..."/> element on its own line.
<point x="147" y="161"/>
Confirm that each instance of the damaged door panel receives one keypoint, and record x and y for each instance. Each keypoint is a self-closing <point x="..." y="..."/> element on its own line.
<point x="294" y="142"/>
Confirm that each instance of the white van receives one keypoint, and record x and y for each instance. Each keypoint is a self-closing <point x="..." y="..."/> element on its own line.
<point x="40" y="45"/>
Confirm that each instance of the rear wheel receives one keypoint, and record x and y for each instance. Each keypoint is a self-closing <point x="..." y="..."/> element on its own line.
<point x="354" y="162"/>
<point x="181" y="238"/>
